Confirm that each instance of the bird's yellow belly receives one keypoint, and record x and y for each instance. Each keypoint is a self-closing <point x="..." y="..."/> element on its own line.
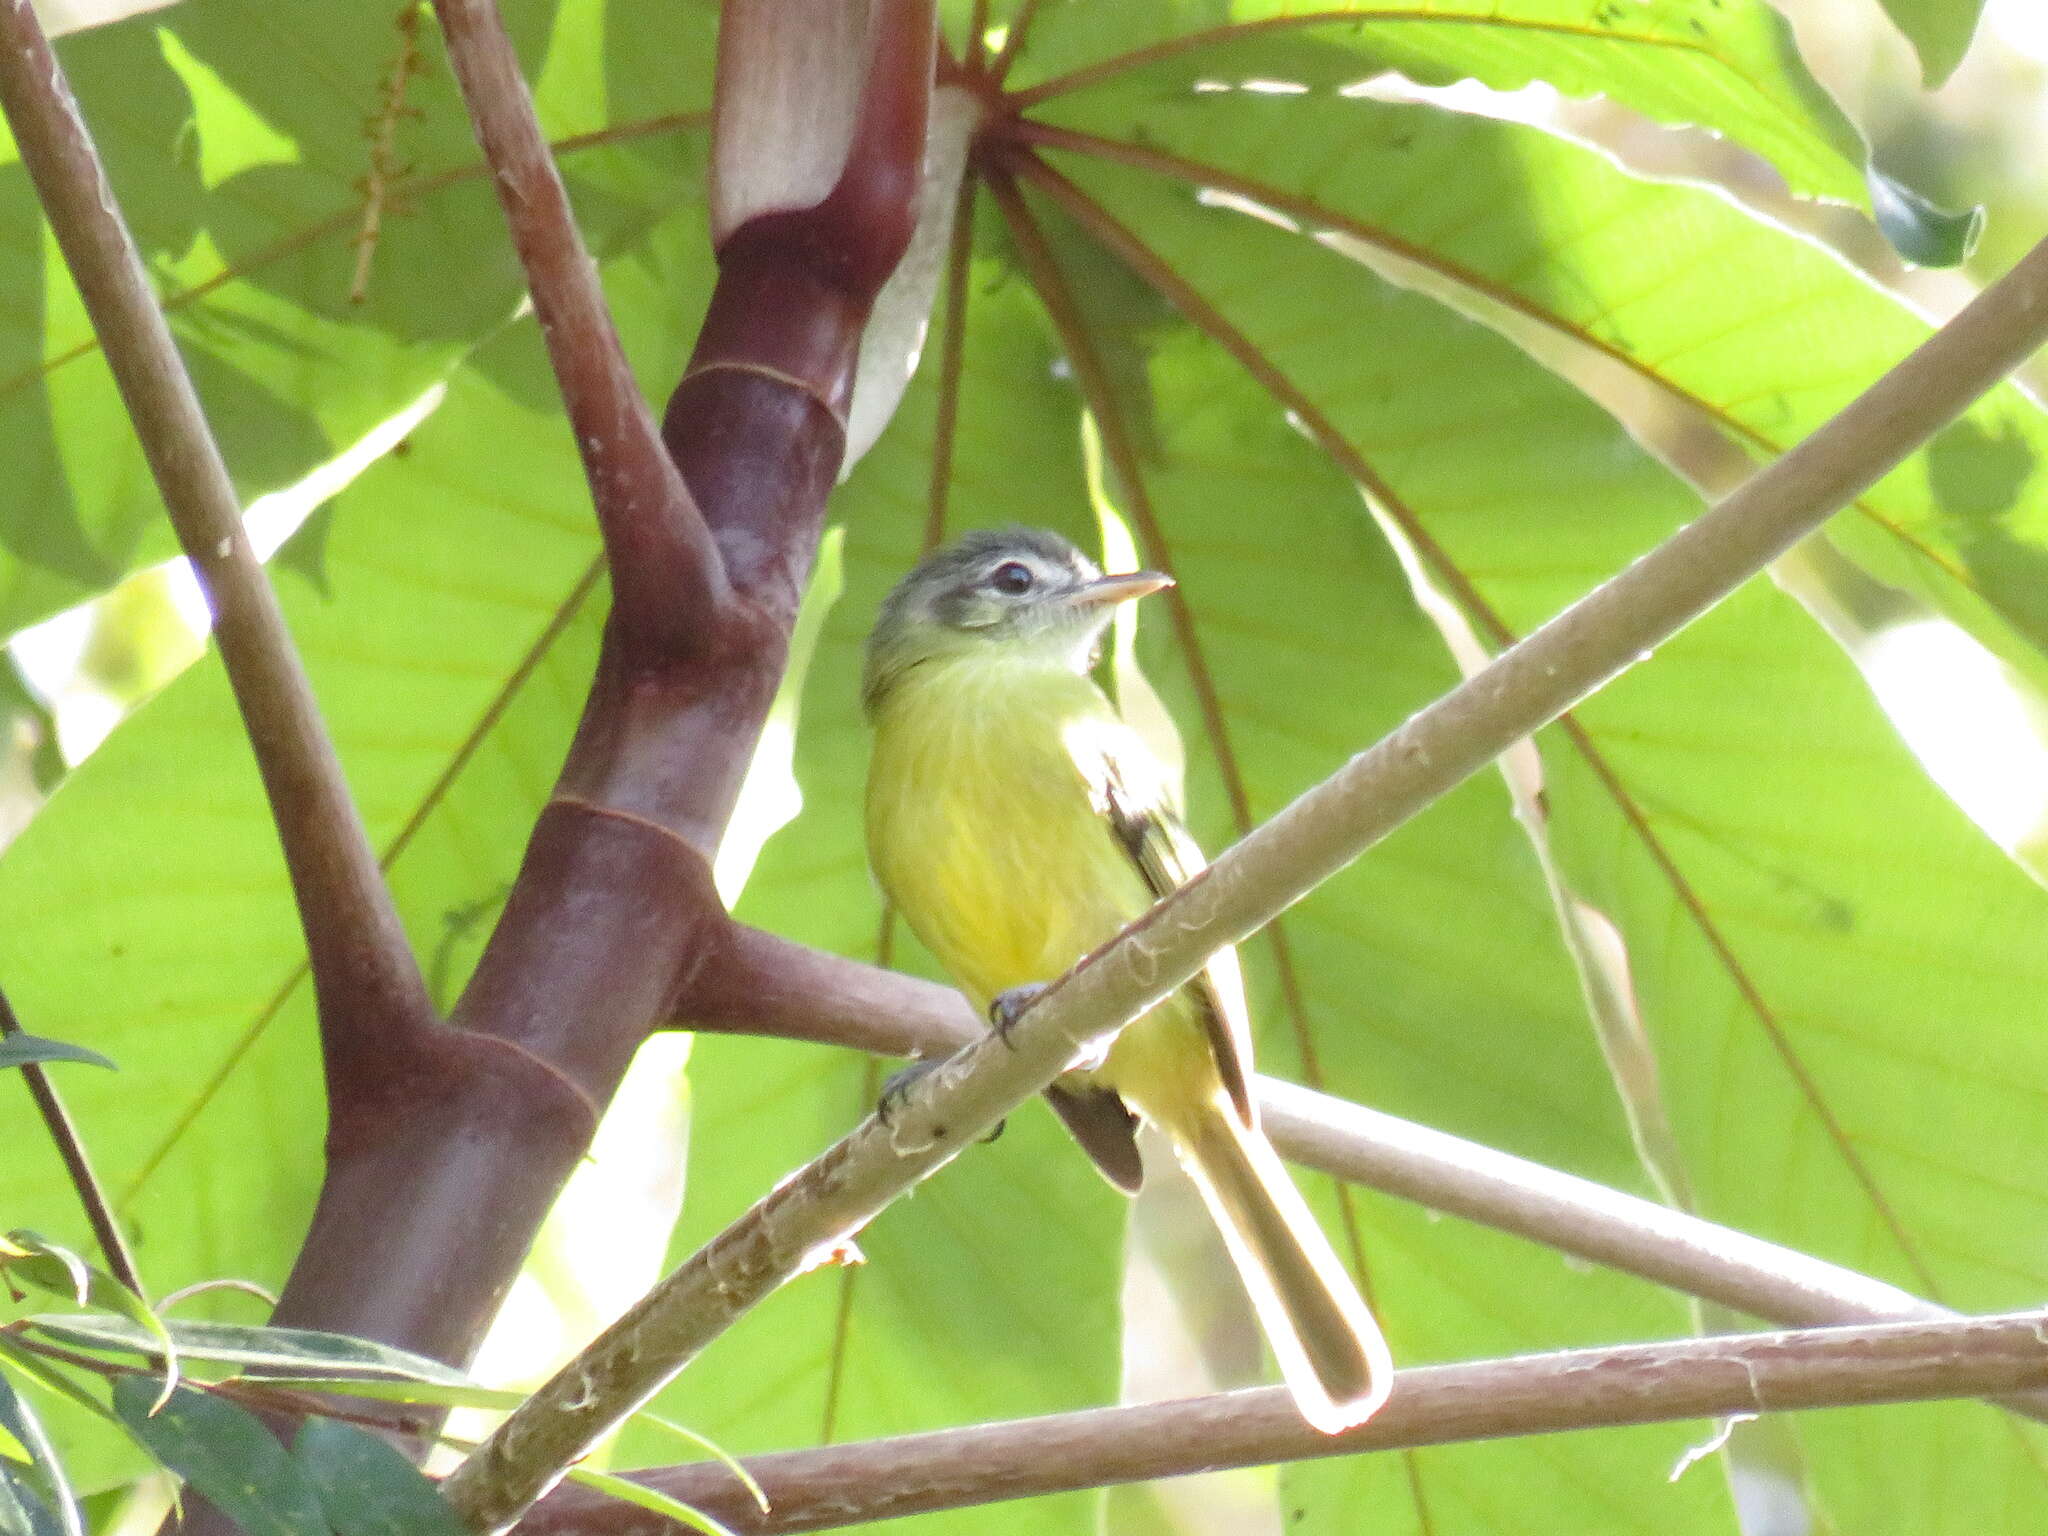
<point x="1006" y="878"/>
<point x="991" y="847"/>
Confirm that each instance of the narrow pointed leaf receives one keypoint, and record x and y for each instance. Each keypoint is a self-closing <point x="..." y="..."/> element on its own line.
<point x="302" y="1350"/>
<point x="20" y="1050"/>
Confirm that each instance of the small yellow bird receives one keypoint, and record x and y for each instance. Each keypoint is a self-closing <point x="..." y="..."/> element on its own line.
<point x="1016" y="822"/>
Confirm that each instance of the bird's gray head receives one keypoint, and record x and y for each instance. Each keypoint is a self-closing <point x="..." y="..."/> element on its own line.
<point x="1025" y="591"/>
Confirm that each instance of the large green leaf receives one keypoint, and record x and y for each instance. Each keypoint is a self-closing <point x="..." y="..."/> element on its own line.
<point x="217" y="1167"/>
<point x="1729" y="66"/>
<point x="226" y="1453"/>
<point x="365" y="1486"/>
<point x="1793" y="893"/>
<point x="451" y="736"/>
<point x="1805" y="894"/>
<point x="1766" y="334"/>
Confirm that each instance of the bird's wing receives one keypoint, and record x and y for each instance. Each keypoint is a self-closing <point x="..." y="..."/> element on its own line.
<point x="1106" y="1130"/>
<point x="1168" y="858"/>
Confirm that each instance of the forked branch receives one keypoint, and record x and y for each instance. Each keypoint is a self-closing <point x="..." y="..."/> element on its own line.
<point x="668" y="582"/>
<point x="710" y="529"/>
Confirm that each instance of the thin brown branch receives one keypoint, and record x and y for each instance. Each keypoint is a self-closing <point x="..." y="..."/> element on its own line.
<point x="99" y="1212"/>
<point x="669" y="584"/>
<point x="1014" y="40"/>
<point x="952" y="358"/>
<point x="373" y="1005"/>
<point x="759" y="983"/>
<point x="1434" y="1405"/>
<point x="1159" y="274"/>
<point x="975" y="52"/>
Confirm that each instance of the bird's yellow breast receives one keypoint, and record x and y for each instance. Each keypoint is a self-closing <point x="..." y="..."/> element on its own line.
<point x="985" y="826"/>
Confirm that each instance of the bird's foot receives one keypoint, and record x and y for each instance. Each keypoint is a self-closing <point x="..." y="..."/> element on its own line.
<point x="1006" y="1007"/>
<point x="896" y="1087"/>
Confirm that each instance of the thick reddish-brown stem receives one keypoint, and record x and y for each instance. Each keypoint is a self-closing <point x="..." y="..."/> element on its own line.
<point x="436" y="1186"/>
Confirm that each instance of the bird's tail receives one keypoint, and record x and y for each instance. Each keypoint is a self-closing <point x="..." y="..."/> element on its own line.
<point x="1331" y="1353"/>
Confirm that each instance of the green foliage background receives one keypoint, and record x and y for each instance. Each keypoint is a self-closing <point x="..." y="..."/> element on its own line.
<point x="1838" y="975"/>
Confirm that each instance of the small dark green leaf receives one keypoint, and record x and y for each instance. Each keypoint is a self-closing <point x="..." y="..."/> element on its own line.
<point x="20" y="1421"/>
<point x="366" y="1487"/>
<point x="1925" y="235"/>
<point x="303" y="1350"/>
<point x="20" y="1050"/>
<point x="22" y="1511"/>
<point x="224" y="1452"/>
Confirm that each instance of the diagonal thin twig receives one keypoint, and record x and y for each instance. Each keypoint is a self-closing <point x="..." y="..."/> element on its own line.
<point x="373" y="1002"/>
<point x="952" y="359"/>
<point x="1014" y="39"/>
<point x="669" y="583"/>
<point x="99" y="1211"/>
<point x="1627" y="1384"/>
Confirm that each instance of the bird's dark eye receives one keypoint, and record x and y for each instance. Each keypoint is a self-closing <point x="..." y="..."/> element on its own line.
<point x="1012" y="577"/>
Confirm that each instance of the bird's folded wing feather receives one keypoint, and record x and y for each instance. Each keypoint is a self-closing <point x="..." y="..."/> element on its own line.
<point x="1168" y="857"/>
